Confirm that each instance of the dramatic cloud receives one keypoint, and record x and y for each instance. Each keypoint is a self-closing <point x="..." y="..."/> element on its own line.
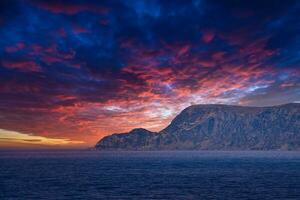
<point x="83" y="69"/>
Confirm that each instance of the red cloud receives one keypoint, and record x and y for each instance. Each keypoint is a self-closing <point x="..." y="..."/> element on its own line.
<point x="50" y="59"/>
<point x="71" y="9"/>
<point x="208" y="36"/>
<point x="52" y="55"/>
<point x="78" y="29"/>
<point x="19" y="46"/>
<point x="36" y="48"/>
<point x="22" y="65"/>
<point x="183" y="50"/>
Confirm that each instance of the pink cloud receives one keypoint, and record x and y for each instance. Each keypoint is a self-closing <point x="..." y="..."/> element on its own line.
<point x="70" y="8"/>
<point x="208" y="36"/>
<point x="22" y="65"/>
<point x="51" y="54"/>
<point x="19" y="46"/>
<point x="78" y="29"/>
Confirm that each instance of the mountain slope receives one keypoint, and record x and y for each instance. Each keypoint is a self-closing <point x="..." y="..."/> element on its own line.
<point x="218" y="127"/>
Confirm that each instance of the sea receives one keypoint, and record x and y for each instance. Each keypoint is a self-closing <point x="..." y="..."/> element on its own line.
<point x="87" y="174"/>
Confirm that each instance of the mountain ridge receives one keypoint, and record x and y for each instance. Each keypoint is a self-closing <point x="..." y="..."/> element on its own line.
<point x="217" y="127"/>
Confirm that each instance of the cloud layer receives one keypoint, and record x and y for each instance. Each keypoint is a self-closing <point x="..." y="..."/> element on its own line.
<point x="86" y="69"/>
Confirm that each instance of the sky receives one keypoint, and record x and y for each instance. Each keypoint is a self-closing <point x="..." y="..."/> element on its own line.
<point x="72" y="72"/>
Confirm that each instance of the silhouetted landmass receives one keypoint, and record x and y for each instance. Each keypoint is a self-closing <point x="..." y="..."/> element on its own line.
<point x="218" y="127"/>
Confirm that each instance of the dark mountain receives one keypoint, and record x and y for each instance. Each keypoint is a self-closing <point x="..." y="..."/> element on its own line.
<point x="218" y="127"/>
<point x="134" y="140"/>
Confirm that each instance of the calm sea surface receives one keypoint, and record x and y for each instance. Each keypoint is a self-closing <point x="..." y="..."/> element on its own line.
<point x="149" y="175"/>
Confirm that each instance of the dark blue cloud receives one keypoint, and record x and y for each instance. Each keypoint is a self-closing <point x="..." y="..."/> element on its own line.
<point x="65" y="61"/>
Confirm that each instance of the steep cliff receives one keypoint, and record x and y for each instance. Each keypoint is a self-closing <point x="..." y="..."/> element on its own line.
<point x="218" y="127"/>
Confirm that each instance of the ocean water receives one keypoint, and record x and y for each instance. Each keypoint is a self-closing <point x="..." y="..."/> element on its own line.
<point x="149" y="175"/>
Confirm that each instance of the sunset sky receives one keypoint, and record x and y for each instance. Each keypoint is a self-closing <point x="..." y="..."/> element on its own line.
<point x="72" y="72"/>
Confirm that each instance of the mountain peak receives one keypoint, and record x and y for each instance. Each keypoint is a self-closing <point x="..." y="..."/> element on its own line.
<point x="218" y="127"/>
<point x="138" y="130"/>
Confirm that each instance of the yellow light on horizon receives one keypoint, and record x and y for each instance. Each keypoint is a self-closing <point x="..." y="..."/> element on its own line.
<point x="22" y="138"/>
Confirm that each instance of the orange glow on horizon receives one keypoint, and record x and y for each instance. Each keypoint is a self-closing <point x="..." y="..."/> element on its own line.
<point x="15" y="139"/>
